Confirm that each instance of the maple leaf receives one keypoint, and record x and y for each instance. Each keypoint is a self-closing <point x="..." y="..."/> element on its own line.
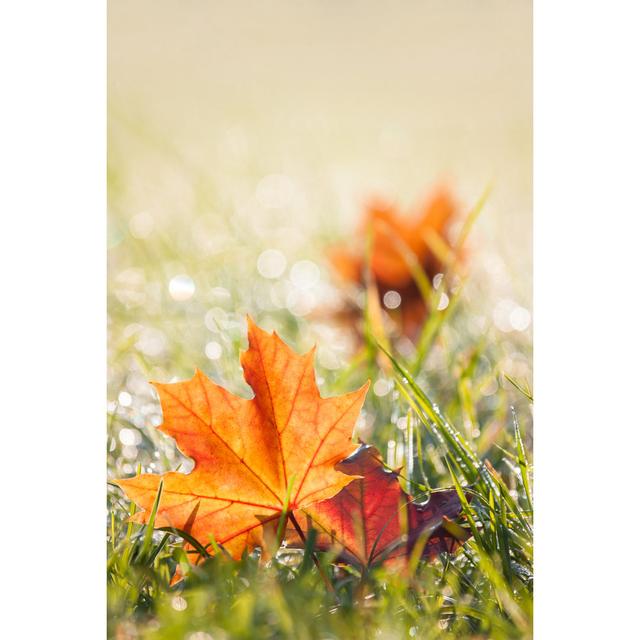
<point x="250" y="454"/>
<point x="395" y="240"/>
<point x="368" y="518"/>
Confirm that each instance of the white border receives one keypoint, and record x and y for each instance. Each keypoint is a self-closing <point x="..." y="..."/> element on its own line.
<point x="586" y="170"/>
<point x="53" y="168"/>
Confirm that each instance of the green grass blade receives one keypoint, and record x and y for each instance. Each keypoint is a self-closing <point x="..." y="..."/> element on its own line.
<point x="148" y="534"/>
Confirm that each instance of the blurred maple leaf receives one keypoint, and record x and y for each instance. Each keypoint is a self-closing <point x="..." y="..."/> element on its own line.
<point x="373" y="519"/>
<point x="253" y="458"/>
<point x="396" y="242"/>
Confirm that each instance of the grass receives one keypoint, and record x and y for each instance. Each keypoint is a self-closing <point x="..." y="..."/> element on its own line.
<point x="485" y="590"/>
<point x="455" y="410"/>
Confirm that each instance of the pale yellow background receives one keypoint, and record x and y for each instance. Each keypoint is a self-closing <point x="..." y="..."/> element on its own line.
<point x="344" y="97"/>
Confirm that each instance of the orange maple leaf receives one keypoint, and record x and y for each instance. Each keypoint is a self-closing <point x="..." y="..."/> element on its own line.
<point x="373" y="519"/>
<point x="394" y="237"/>
<point x="249" y="454"/>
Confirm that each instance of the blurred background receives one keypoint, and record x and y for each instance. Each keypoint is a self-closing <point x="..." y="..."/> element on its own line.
<point x="243" y="139"/>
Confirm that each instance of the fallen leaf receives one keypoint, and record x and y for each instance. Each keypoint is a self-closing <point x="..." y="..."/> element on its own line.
<point x="368" y="518"/>
<point x="397" y="240"/>
<point x="250" y="454"/>
<point x="178" y="576"/>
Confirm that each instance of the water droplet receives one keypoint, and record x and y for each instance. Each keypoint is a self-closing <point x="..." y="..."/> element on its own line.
<point x="391" y="299"/>
<point x="443" y="303"/>
<point x="391" y="453"/>
<point x="178" y="603"/>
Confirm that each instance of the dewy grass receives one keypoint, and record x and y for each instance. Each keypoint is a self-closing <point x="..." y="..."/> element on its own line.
<point x="483" y="590"/>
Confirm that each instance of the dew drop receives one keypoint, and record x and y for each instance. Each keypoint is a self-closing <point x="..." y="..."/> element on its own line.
<point x="391" y="299"/>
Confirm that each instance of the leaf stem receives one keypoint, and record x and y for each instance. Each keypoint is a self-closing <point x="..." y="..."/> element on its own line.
<point x="316" y="561"/>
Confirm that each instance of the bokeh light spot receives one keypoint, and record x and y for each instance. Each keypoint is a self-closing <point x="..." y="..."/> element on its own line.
<point x="382" y="386"/>
<point x="305" y="274"/>
<point x="271" y="263"/>
<point x="200" y="635"/>
<point x="501" y="314"/>
<point x="152" y="342"/>
<point x="213" y="350"/>
<point x="129" y="437"/>
<point x="181" y="287"/>
<point x="178" y="603"/>
<point x="520" y="319"/>
<point x="391" y="299"/>
<point x="443" y="303"/>
<point x="300" y="302"/>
